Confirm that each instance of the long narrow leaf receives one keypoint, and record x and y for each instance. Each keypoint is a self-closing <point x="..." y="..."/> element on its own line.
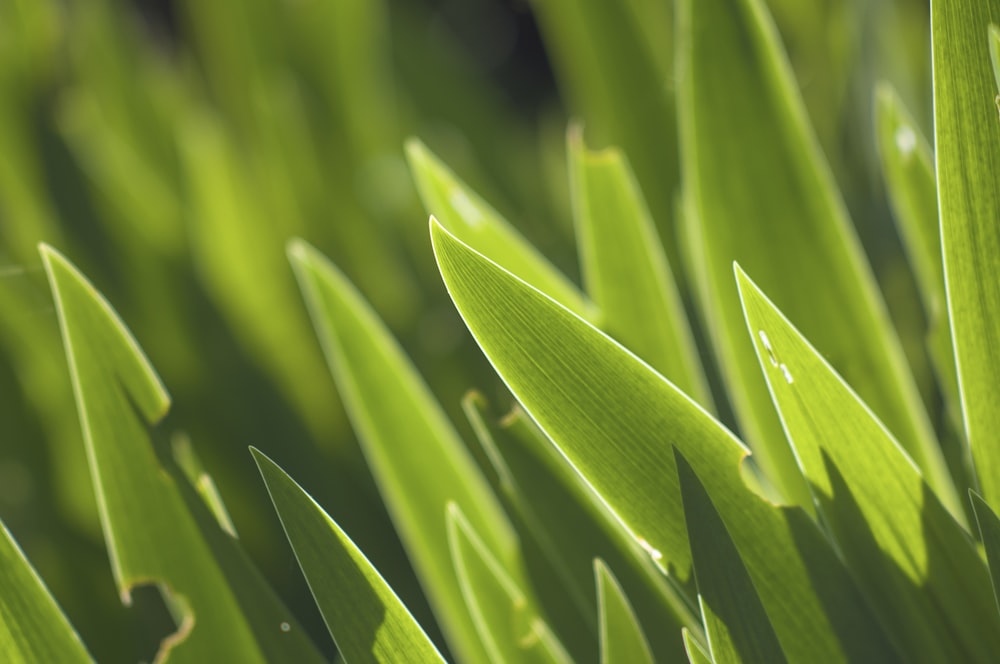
<point x="967" y="152"/>
<point x="32" y="627"/>
<point x="761" y="194"/>
<point x="362" y="613"/>
<point x="622" y="638"/>
<point x="151" y="535"/>
<point x="616" y="421"/>
<point x="418" y="461"/>
<point x="917" y="564"/>
<point x="989" y="532"/>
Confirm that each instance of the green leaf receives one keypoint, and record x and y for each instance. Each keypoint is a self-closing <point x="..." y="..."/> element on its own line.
<point x="151" y="534"/>
<point x="989" y="532"/>
<point x="616" y="420"/>
<point x="916" y="563"/>
<point x="625" y="269"/>
<point x="908" y="165"/>
<point x="967" y="150"/>
<point x="573" y="527"/>
<point x="508" y="624"/>
<point x="622" y="638"/>
<point x="32" y="627"/>
<point x="362" y="613"/>
<point x="696" y="654"/>
<point x="471" y="218"/>
<point x="737" y="625"/>
<point x="418" y="461"/>
<point x="760" y="193"/>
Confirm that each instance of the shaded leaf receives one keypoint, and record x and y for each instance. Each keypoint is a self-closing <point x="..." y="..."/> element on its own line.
<point x="362" y="613"/>
<point x="32" y="627"/>
<point x="989" y="532"/>
<point x="616" y="421"/>
<point x="622" y="638"/>
<point x="508" y="624"/>
<point x="416" y="457"/>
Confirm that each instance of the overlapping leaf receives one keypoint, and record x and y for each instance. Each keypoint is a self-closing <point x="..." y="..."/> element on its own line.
<point x="622" y="638"/>
<point x="362" y="613"/>
<point x="616" y="421"/>
<point x="989" y="532"/>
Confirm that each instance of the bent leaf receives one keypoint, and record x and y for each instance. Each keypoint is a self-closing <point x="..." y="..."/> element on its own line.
<point x="510" y="627"/>
<point x="151" y="535"/>
<point x="761" y="193"/>
<point x="418" y="461"/>
<point x="362" y="613"/>
<point x="32" y="627"/>
<point x="625" y="269"/>
<point x="967" y="150"/>
<point x="622" y="639"/>
<point x="917" y="564"/>
<point x="616" y="420"/>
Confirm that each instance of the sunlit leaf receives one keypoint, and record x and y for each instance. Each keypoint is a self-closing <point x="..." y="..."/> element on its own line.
<point x="617" y="421"/>
<point x="696" y="654"/>
<point x="917" y="564"/>
<point x="361" y="611"/>
<point x="760" y="193"/>
<point x="32" y="627"/>
<point x="151" y="534"/>
<point x="418" y="461"/>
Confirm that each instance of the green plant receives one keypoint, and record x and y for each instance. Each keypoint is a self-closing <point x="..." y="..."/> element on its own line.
<point x="610" y="513"/>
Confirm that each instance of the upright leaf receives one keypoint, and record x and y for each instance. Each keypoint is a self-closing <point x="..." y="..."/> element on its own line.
<point x="917" y="564"/>
<point x="362" y="613"/>
<point x="967" y="152"/>
<point x="468" y="216"/>
<point x="510" y="627"/>
<point x="989" y="533"/>
<point x="418" y="461"/>
<point x="616" y="421"/>
<point x="736" y="623"/>
<point x="696" y="654"/>
<point x="32" y="627"/>
<point x="151" y="535"/>
<point x="762" y="194"/>
<point x="908" y="165"/>
<point x="622" y="639"/>
<point x="625" y="269"/>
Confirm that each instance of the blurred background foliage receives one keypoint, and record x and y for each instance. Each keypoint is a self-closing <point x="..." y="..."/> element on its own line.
<point x="171" y="148"/>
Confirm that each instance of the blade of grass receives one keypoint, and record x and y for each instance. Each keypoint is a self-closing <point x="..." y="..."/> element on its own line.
<point x="418" y="461"/>
<point x="989" y="533"/>
<point x="362" y="613"/>
<point x="625" y="269"/>
<point x="917" y="564"/>
<point x="622" y="638"/>
<point x="151" y="535"/>
<point x="967" y="153"/>
<point x="32" y="626"/>
<point x="510" y="627"/>
<point x="615" y="419"/>
<point x="696" y="654"/>
<point x="736" y="623"/>
<point x="762" y="194"/>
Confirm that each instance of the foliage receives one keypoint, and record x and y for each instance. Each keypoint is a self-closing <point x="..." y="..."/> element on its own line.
<point x="756" y="425"/>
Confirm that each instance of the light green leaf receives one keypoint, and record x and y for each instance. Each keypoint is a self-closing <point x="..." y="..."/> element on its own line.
<point x="418" y="461"/>
<point x="696" y="654"/>
<point x="616" y="421"/>
<point x="471" y="218"/>
<point x="573" y="527"/>
<point x="761" y="193"/>
<point x="967" y="150"/>
<point x="151" y="534"/>
<point x="989" y="532"/>
<point x="737" y="625"/>
<point x="917" y="564"/>
<point x="622" y="638"/>
<point x="508" y="624"/>
<point x="203" y="484"/>
<point x="32" y="627"/>
<point x="908" y="165"/>
<point x="625" y="269"/>
<point x="362" y="613"/>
